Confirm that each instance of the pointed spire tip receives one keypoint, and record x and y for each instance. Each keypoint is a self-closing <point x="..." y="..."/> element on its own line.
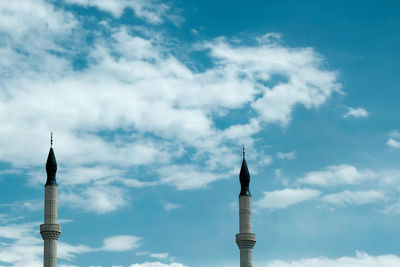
<point x="51" y="139"/>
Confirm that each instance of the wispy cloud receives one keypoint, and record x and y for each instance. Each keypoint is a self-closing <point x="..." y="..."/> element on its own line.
<point x="187" y="176"/>
<point x="152" y="11"/>
<point x="121" y="243"/>
<point x="280" y="199"/>
<point x="394" y="139"/>
<point x="361" y="259"/>
<point x="22" y="246"/>
<point x="286" y="155"/>
<point x="356" y="113"/>
<point x="98" y="199"/>
<point x="281" y="177"/>
<point x="159" y="255"/>
<point x="393" y="208"/>
<point x="157" y="264"/>
<point x="393" y="143"/>
<point x="306" y="83"/>
<point x="354" y="197"/>
<point x="171" y="206"/>
<point x="337" y="175"/>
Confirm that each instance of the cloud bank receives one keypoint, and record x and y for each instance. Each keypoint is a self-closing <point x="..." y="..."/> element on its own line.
<point x="361" y="259"/>
<point x="134" y="102"/>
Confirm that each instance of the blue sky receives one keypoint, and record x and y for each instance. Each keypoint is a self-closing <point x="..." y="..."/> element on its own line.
<point x="150" y="102"/>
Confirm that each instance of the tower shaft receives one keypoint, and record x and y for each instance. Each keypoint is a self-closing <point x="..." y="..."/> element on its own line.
<point x="245" y="239"/>
<point x="50" y="230"/>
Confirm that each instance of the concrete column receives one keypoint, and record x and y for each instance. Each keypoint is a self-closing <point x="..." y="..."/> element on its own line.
<point x="246" y="257"/>
<point x="50" y="204"/>
<point x="245" y="239"/>
<point x="50" y="230"/>
<point x="245" y="218"/>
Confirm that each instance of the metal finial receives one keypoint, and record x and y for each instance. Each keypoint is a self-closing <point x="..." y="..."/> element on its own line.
<point x="244" y="151"/>
<point x="51" y="139"/>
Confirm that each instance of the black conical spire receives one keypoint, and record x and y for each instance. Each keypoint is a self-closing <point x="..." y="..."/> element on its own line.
<point x="51" y="165"/>
<point x="244" y="177"/>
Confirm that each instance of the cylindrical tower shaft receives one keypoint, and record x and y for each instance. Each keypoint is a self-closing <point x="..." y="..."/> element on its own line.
<point x="50" y="253"/>
<point x="50" y="230"/>
<point x="245" y="239"/>
<point x="50" y="205"/>
<point x="245" y="219"/>
<point x="246" y="257"/>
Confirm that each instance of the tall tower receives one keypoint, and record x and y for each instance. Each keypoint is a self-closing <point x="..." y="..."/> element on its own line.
<point x="245" y="239"/>
<point x="50" y="230"/>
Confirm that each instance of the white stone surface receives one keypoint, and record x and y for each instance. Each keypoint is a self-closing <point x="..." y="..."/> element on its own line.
<point x="50" y="253"/>
<point x="50" y="230"/>
<point x="50" y="205"/>
<point x="245" y="239"/>
<point x="245" y="218"/>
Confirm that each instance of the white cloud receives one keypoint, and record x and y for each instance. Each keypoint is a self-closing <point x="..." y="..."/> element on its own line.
<point x="128" y="182"/>
<point x="354" y="197"/>
<point x="287" y="155"/>
<point x="121" y="243"/>
<point x="99" y="199"/>
<point x="21" y="206"/>
<point x="304" y="82"/>
<point x="84" y="175"/>
<point x="136" y="103"/>
<point x="390" y="178"/>
<point x="393" y="208"/>
<point x="264" y="160"/>
<point x="157" y="264"/>
<point x="395" y="134"/>
<point x="357" y="113"/>
<point x="187" y="177"/>
<point x="281" y="177"/>
<point x="362" y="259"/>
<point x="171" y="206"/>
<point x="337" y="175"/>
<point x="68" y="252"/>
<point x="21" y="16"/>
<point x="280" y="199"/>
<point x="393" y="143"/>
<point x="21" y="245"/>
<point x="270" y="38"/>
<point x="159" y="255"/>
<point x="394" y="139"/>
<point x="153" y="11"/>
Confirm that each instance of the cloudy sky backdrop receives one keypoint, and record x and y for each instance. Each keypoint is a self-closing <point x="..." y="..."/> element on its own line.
<point x="150" y="102"/>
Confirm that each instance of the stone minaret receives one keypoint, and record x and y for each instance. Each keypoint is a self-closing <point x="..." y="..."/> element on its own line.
<point x="50" y="230"/>
<point x="245" y="239"/>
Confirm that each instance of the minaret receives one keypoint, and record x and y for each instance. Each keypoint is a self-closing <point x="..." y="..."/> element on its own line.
<point x="50" y="230"/>
<point x="245" y="239"/>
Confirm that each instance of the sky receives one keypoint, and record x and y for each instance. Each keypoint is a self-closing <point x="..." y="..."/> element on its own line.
<point x="150" y="102"/>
